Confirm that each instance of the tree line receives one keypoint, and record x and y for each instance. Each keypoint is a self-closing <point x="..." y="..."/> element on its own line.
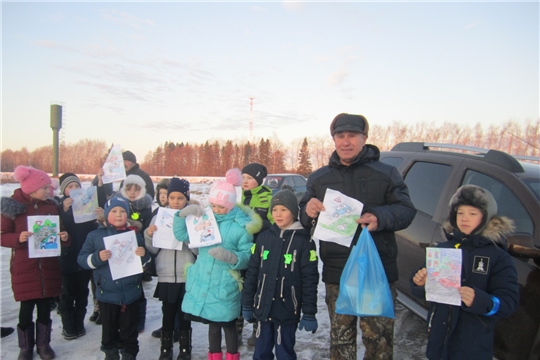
<point x="300" y="156"/>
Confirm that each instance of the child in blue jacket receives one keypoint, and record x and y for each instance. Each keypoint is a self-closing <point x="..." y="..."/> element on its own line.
<point x="281" y="281"/>
<point x="213" y="283"/>
<point x="489" y="287"/>
<point x="118" y="299"/>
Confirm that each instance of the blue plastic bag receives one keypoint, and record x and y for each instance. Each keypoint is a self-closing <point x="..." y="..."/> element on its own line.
<point x="363" y="287"/>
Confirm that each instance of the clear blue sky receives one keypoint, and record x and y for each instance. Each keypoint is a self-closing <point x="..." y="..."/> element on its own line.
<point x="139" y="74"/>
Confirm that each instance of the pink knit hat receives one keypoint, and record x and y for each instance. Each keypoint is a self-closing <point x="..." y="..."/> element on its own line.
<point x="223" y="192"/>
<point x="31" y="179"/>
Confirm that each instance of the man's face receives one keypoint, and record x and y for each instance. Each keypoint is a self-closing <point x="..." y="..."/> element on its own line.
<point x="348" y="145"/>
<point x="128" y="164"/>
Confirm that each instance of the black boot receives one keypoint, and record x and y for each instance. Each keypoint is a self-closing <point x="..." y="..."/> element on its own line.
<point x="26" y="342"/>
<point x="95" y="314"/>
<point x="240" y="328"/>
<point x="80" y="314"/>
<point x="166" y="345"/>
<point x="67" y="313"/>
<point x="111" y="354"/>
<point x="43" y="340"/>
<point x="251" y="340"/>
<point x="142" y="315"/>
<point x="185" y="345"/>
<point x="6" y="331"/>
<point x="128" y="356"/>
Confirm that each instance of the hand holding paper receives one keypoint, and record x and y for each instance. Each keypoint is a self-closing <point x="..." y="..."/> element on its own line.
<point x="193" y="209"/>
<point x="140" y="251"/>
<point x="105" y="255"/>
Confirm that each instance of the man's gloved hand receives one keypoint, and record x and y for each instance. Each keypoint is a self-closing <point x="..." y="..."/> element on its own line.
<point x="247" y="313"/>
<point x="224" y="255"/>
<point x="308" y="322"/>
<point x="192" y="209"/>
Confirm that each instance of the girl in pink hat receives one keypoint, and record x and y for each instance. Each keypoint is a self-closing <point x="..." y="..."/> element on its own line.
<point x="34" y="280"/>
<point x="213" y="283"/>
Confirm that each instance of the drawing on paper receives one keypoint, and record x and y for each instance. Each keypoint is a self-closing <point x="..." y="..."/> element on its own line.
<point x="113" y="168"/>
<point x="84" y="205"/>
<point x="203" y="230"/>
<point x="444" y="275"/>
<point x="45" y="235"/>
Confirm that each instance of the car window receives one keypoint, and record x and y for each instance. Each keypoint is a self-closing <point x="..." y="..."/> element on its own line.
<point x="272" y="181"/>
<point x="288" y="181"/>
<point x="299" y="181"/>
<point x="508" y="204"/>
<point x="426" y="182"/>
<point x="394" y="161"/>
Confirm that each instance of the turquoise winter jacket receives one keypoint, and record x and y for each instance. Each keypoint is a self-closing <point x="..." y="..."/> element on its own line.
<point x="212" y="286"/>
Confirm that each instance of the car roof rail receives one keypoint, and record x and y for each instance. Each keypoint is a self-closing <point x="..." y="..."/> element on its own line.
<point x="496" y="157"/>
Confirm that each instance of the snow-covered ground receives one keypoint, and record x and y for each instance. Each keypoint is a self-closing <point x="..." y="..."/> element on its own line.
<point x="410" y="336"/>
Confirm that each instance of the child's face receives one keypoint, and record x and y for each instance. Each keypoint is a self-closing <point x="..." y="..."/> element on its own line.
<point x="283" y="217"/>
<point x="248" y="182"/>
<point x="117" y="216"/>
<point x="41" y="193"/>
<point x="219" y="209"/>
<point x="162" y="196"/>
<point x="177" y="200"/>
<point x="133" y="191"/>
<point x="71" y="186"/>
<point x="468" y="218"/>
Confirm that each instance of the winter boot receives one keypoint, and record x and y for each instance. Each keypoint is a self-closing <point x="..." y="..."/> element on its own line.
<point x="215" y="356"/>
<point x="142" y="316"/>
<point x="253" y="338"/>
<point x="166" y="345"/>
<point x="230" y="356"/>
<point x="6" y="331"/>
<point x="128" y="356"/>
<point x="185" y="345"/>
<point x="43" y="340"/>
<point x="67" y="313"/>
<point x="26" y="342"/>
<point x="111" y="354"/>
<point x="95" y="314"/>
<point x="79" y="321"/>
<point x="157" y="333"/>
<point x="240" y="328"/>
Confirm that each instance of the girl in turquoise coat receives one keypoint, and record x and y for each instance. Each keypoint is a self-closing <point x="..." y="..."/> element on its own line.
<point x="213" y="283"/>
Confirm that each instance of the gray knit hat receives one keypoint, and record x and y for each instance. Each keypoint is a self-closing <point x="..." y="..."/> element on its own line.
<point x="286" y="198"/>
<point x="477" y="197"/>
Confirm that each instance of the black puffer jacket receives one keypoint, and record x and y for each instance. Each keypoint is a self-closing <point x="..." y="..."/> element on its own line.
<point x="282" y="276"/>
<point x="381" y="189"/>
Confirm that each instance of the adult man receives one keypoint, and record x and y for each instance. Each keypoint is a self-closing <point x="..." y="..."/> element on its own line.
<point x="130" y="163"/>
<point x="354" y="169"/>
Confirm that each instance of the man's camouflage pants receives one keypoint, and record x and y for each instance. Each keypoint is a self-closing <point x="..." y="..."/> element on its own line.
<point x="377" y="332"/>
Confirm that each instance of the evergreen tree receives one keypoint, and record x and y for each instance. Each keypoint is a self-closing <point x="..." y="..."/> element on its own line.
<point x="304" y="162"/>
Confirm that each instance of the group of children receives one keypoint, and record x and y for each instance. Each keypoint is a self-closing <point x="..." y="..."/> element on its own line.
<point x="264" y="271"/>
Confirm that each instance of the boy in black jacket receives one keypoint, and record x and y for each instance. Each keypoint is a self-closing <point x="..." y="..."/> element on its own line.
<point x="287" y="253"/>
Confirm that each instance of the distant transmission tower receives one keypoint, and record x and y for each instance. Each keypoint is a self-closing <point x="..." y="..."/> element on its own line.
<point x="251" y="118"/>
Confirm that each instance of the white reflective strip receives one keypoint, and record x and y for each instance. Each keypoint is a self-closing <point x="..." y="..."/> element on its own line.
<point x="89" y="262"/>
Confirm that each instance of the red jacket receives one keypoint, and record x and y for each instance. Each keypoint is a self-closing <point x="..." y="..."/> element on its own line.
<point x="31" y="278"/>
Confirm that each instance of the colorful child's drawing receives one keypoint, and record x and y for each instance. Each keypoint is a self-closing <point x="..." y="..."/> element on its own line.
<point x="123" y="261"/>
<point x="113" y="168"/>
<point x="444" y="275"/>
<point x="337" y="223"/>
<point x="84" y="205"/>
<point x="45" y="241"/>
<point x="163" y="237"/>
<point x="203" y="230"/>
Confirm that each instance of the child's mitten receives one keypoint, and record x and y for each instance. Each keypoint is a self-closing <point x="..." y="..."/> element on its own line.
<point x="308" y="322"/>
<point x="193" y="209"/>
<point x="224" y="255"/>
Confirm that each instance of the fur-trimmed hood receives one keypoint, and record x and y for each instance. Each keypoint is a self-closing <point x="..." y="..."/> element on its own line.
<point x="495" y="230"/>
<point x="134" y="180"/>
<point x="16" y="205"/>
<point x="141" y="204"/>
<point x="245" y="216"/>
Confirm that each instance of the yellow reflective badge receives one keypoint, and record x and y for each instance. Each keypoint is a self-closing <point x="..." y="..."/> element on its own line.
<point x="253" y="248"/>
<point x="312" y="255"/>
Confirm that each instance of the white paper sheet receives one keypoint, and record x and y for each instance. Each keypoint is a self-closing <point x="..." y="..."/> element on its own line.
<point x="337" y="223"/>
<point x="45" y="241"/>
<point x="444" y="275"/>
<point x="85" y="203"/>
<point x="113" y="168"/>
<point x="203" y="231"/>
<point x="123" y="261"/>
<point x="163" y="237"/>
